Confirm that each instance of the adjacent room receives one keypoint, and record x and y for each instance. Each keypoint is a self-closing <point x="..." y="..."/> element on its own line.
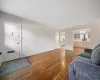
<point x="49" y="40"/>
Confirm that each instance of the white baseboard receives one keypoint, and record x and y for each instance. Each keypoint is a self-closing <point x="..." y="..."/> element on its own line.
<point x="38" y="52"/>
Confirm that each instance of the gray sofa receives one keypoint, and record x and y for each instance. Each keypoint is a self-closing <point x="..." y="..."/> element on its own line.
<point x="82" y="68"/>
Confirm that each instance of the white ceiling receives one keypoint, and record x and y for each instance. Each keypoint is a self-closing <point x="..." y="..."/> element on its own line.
<point x="54" y="13"/>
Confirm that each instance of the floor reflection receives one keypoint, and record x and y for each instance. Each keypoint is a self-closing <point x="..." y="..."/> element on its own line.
<point x="62" y="53"/>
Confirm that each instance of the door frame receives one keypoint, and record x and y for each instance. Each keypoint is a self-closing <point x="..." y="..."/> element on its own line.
<point x="80" y="40"/>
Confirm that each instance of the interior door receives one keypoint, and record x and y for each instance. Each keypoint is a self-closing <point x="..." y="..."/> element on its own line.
<point x="12" y="32"/>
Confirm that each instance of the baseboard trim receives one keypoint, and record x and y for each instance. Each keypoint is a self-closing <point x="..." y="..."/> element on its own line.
<point x="43" y="52"/>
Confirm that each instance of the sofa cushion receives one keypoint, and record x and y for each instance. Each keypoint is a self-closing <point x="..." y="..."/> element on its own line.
<point x="95" y="47"/>
<point x="85" y="54"/>
<point x="95" y="57"/>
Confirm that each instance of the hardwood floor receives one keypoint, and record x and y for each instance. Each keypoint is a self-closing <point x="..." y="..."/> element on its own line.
<point x="79" y="46"/>
<point x="51" y="65"/>
<point x="77" y="50"/>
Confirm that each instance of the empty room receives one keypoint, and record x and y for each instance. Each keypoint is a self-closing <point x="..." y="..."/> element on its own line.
<point x="49" y="39"/>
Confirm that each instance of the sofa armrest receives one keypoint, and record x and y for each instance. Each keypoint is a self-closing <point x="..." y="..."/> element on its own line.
<point x="88" y="50"/>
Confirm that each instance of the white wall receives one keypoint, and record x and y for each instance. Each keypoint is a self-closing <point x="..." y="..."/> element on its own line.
<point x="1" y="40"/>
<point x="37" y="37"/>
<point x="94" y="34"/>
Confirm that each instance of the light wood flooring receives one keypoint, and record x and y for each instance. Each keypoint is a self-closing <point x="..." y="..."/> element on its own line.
<point x="51" y="65"/>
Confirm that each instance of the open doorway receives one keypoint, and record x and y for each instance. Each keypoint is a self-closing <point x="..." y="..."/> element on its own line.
<point x="81" y="40"/>
<point x="62" y="39"/>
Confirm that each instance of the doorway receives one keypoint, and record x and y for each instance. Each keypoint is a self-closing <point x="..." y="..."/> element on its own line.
<point x="62" y="39"/>
<point x="12" y="40"/>
<point x="81" y="40"/>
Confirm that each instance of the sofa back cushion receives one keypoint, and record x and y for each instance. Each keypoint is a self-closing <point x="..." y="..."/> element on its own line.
<point x="85" y="54"/>
<point x="95" y="57"/>
<point x="95" y="47"/>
